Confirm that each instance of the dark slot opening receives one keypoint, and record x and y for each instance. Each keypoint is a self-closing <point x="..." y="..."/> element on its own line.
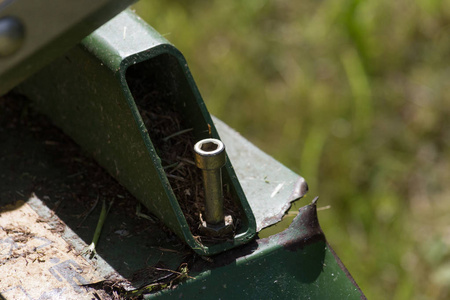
<point x="173" y="120"/>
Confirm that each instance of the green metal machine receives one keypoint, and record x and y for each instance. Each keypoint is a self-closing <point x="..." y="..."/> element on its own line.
<point x="127" y="97"/>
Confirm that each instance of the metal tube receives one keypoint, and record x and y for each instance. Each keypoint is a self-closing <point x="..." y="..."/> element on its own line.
<point x="212" y="181"/>
<point x="210" y="157"/>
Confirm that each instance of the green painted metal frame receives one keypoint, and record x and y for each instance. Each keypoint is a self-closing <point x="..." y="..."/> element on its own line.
<point x="294" y="264"/>
<point x="297" y="263"/>
<point x="86" y="94"/>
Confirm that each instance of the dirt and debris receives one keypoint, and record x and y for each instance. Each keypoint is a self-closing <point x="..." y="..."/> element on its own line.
<point x="147" y="280"/>
<point x="174" y="143"/>
<point x="81" y="180"/>
<point x="70" y="183"/>
<point x="177" y="158"/>
<point x="18" y="234"/>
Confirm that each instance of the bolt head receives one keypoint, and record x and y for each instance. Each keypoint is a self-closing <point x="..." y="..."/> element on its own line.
<point x="12" y="34"/>
<point x="209" y="154"/>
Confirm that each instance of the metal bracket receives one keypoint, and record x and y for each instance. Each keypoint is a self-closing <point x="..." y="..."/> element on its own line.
<point x="87" y="94"/>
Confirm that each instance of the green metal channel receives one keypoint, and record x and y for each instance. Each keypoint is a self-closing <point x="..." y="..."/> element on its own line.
<point x="86" y="94"/>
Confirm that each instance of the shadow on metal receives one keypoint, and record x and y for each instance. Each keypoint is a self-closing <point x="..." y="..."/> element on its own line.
<point x="294" y="264"/>
<point x="37" y="158"/>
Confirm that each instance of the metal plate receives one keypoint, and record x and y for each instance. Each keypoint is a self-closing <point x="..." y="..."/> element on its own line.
<point x="269" y="186"/>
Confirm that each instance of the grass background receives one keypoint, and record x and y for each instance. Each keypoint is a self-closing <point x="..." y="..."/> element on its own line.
<point x="354" y="96"/>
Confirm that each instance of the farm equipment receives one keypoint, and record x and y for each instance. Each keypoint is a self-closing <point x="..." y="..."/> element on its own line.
<point x="189" y="196"/>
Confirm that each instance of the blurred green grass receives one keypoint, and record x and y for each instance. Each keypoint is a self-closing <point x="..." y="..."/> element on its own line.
<point x="354" y="96"/>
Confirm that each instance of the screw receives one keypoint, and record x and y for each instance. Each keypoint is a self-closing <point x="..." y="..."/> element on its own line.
<point x="210" y="158"/>
<point x="12" y="34"/>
